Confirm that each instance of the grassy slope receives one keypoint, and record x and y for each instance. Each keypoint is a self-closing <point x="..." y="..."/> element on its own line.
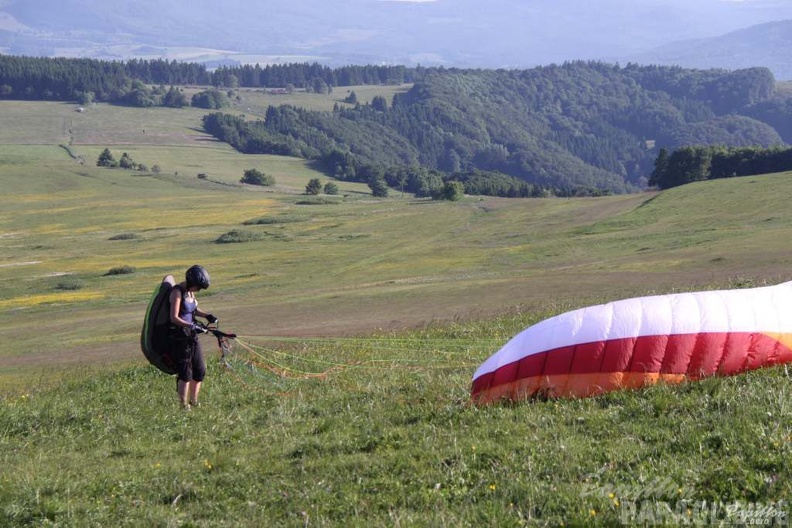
<point x="367" y="446"/>
<point x="386" y="446"/>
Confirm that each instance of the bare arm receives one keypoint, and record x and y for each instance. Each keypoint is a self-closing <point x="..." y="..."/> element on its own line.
<point x="175" y="305"/>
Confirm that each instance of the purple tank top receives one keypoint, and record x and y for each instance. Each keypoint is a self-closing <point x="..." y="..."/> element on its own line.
<point x="187" y="307"/>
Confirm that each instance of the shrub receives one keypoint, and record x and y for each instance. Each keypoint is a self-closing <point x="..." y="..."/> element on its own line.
<point x="256" y="177"/>
<point x="210" y="99"/>
<point x="268" y="220"/>
<point x="331" y="188"/>
<point x="314" y="186"/>
<point x="70" y="284"/>
<point x="126" y="162"/>
<point x="121" y="270"/>
<point x="236" y="236"/>
<point x="378" y="187"/>
<point x="318" y="201"/>
<point x="453" y="191"/>
<point x="125" y="236"/>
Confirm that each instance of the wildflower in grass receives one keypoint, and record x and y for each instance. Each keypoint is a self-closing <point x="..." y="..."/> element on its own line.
<point x="207" y="464"/>
<point x="592" y="512"/>
<point x="492" y="487"/>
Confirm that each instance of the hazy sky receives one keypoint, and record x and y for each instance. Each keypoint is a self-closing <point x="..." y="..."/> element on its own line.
<point x="470" y="33"/>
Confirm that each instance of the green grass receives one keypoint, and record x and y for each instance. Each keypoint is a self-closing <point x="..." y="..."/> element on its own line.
<point x="391" y="444"/>
<point x="433" y="288"/>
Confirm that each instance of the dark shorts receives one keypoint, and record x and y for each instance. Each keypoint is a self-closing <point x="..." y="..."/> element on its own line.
<point x="187" y="354"/>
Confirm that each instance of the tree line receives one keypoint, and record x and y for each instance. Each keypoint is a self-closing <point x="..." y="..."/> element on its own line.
<point x="86" y="80"/>
<point x="698" y="163"/>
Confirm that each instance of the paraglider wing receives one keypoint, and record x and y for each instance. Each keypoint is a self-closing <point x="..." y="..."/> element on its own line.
<point x="154" y="336"/>
<point x="636" y="342"/>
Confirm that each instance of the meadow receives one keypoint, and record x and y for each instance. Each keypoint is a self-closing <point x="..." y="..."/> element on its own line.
<point x="392" y="303"/>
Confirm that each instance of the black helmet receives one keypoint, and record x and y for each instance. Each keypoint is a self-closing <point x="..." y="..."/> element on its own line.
<point x="197" y="276"/>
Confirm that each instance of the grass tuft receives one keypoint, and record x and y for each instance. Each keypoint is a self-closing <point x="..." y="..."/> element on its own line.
<point x="70" y="284"/>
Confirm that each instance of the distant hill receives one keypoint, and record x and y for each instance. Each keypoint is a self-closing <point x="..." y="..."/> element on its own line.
<point x="577" y="128"/>
<point x="768" y="45"/>
<point x="461" y="33"/>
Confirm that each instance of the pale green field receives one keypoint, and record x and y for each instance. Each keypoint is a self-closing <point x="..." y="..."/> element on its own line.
<point x="331" y="269"/>
<point x="255" y="102"/>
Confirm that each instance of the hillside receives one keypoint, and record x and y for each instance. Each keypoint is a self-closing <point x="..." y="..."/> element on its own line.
<point x="579" y="128"/>
<point x="582" y="128"/>
<point x="325" y="268"/>
<point x="768" y="45"/>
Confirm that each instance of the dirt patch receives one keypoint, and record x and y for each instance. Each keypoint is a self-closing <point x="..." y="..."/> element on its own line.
<point x="28" y="263"/>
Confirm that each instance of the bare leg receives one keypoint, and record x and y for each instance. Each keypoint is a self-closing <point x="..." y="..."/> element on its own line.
<point x="181" y="388"/>
<point x="195" y="388"/>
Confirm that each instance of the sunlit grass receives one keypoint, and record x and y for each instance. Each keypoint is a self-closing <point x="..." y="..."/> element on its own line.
<point x="386" y="435"/>
<point x="59" y="298"/>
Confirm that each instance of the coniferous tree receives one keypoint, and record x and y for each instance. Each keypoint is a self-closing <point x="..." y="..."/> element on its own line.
<point x="314" y="186"/>
<point x="106" y="159"/>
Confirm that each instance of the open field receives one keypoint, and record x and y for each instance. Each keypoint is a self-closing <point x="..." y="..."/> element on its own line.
<point x="325" y="269"/>
<point x="433" y="287"/>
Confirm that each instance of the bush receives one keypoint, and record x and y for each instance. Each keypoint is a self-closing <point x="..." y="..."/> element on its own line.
<point x="125" y="236"/>
<point x="451" y="190"/>
<point x="210" y="99"/>
<point x="70" y="284"/>
<point x="318" y="201"/>
<point x="268" y="220"/>
<point x="314" y="186"/>
<point x="202" y="176"/>
<point x="122" y="270"/>
<point x="378" y="187"/>
<point x="237" y="236"/>
<point x="256" y="177"/>
<point x="331" y="188"/>
<point x="126" y="162"/>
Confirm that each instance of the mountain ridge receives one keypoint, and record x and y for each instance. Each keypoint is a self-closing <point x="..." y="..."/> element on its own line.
<point x="768" y="45"/>
<point x="505" y="34"/>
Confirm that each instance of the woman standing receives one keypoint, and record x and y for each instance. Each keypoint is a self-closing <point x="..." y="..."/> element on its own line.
<point x="183" y="335"/>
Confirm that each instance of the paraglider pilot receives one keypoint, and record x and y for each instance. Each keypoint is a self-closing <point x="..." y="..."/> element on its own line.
<point x="183" y="335"/>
